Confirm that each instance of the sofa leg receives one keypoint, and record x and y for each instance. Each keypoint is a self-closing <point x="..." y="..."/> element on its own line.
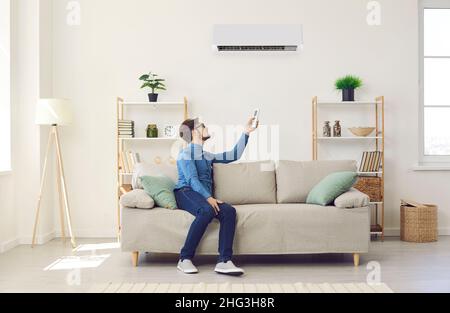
<point x="135" y="258"/>
<point x="356" y="259"/>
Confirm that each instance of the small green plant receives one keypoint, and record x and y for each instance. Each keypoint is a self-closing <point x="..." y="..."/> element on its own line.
<point x="152" y="81"/>
<point x="348" y="82"/>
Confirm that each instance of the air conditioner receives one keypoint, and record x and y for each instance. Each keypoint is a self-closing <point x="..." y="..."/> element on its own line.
<point x="233" y="38"/>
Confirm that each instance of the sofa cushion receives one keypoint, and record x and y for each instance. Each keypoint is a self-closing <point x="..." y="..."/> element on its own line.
<point x="331" y="187"/>
<point x="295" y="180"/>
<point x="260" y="229"/>
<point x="245" y="183"/>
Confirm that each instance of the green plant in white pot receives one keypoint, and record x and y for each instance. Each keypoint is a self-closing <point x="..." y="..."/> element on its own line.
<point x="152" y="81"/>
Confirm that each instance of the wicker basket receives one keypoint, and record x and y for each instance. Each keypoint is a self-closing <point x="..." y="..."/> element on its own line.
<point x="371" y="186"/>
<point x="419" y="222"/>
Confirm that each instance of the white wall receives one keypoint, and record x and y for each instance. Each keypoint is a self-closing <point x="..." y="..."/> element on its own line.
<point x="118" y="40"/>
<point x="7" y="213"/>
<point x="8" y="220"/>
<point x="5" y="86"/>
<point x="31" y="77"/>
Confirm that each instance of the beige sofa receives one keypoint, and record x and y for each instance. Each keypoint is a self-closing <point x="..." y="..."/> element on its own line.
<point x="272" y="217"/>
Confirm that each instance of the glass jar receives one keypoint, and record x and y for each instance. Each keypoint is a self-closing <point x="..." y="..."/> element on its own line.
<point x="337" y="129"/>
<point x="327" y="129"/>
<point x="152" y="131"/>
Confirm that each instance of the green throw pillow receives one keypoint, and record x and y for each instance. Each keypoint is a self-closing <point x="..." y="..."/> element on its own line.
<point x="331" y="187"/>
<point x="160" y="188"/>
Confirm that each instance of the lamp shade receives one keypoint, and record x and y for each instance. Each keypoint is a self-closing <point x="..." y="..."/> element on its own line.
<point x="53" y="112"/>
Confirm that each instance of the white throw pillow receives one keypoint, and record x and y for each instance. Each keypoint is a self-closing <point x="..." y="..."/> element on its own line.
<point x="352" y="199"/>
<point x="137" y="198"/>
<point x="145" y="169"/>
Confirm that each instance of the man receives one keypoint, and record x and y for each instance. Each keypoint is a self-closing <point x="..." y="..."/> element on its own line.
<point x="194" y="195"/>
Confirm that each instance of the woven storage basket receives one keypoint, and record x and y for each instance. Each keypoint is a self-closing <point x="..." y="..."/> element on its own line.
<point x="371" y="186"/>
<point x="419" y="222"/>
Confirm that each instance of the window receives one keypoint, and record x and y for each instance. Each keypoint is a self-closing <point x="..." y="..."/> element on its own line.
<point x="435" y="80"/>
<point x="5" y="87"/>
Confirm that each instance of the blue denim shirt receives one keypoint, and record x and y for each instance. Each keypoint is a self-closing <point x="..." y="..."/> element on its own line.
<point x="195" y="165"/>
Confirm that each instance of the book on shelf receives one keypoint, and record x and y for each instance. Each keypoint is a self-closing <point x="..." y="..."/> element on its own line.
<point x="126" y="132"/>
<point x="126" y="129"/>
<point x="131" y="161"/>
<point x="128" y="160"/>
<point x="124" y="163"/>
<point x="126" y="122"/>
<point x="370" y="162"/>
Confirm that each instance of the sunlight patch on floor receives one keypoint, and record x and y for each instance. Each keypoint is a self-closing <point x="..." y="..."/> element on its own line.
<point x="77" y="262"/>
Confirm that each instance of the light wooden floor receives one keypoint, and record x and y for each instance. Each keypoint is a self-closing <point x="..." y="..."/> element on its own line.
<point x="404" y="268"/>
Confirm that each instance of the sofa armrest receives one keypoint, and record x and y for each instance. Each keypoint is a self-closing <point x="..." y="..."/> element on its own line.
<point x="352" y="199"/>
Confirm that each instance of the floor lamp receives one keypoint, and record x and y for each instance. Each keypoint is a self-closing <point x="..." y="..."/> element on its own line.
<point x="55" y="112"/>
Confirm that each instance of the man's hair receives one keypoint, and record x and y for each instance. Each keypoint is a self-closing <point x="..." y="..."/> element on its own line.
<point x="186" y="129"/>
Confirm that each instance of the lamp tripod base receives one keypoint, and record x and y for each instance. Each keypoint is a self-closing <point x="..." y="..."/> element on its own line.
<point x="62" y="190"/>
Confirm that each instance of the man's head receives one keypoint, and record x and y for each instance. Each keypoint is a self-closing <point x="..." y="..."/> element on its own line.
<point x="192" y="130"/>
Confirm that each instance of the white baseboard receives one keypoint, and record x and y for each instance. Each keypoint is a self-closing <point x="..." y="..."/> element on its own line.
<point x="40" y="239"/>
<point x="8" y="245"/>
<point x="89" y="233"/>
<point x="395" y="232"/>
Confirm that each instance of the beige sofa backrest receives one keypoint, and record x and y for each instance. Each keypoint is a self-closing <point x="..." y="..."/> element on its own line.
<point x="296" y="179"/>
<point x="245" y="183"/>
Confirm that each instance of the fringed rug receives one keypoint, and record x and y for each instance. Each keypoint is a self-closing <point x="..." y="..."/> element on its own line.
<point x="240" y="288"/>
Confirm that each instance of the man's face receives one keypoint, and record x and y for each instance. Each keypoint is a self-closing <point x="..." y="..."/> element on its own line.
<point x="202" y="132"/>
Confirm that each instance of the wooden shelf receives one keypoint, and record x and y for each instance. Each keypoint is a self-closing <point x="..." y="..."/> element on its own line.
<point x="369" y="173"/>
<point x="149" y="139"/>
<point x="122" y="143"/>
<point x="153" y="104"/>
<point x="346" y="102"/>
<point x="377" y="138"/>
<point x="348" y="138"/>
<point x="376" y="230"/>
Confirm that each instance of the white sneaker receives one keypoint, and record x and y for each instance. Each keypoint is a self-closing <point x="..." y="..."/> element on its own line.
<point x="228" y="268"/>
<point x="187" y="267"/>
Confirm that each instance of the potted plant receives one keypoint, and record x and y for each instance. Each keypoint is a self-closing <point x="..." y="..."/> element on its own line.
<point x="348" y="84"/>
<point x="152" y="81"/>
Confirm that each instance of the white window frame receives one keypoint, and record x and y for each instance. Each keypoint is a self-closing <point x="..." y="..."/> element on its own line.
<point x="427" y="160"/>
<point x="5" y="101"/>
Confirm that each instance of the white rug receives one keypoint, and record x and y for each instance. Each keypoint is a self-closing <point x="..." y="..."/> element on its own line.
<point x="240" y="288"/>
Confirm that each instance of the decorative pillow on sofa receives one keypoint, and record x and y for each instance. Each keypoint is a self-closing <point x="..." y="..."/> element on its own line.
<point x="137" y="198"/>
<point x="146" y="169"/>
<point x="295" y="180"/>
<point x="160" y="188"/>
<point x="331" y="187"/>
<point x="352" y="199"/>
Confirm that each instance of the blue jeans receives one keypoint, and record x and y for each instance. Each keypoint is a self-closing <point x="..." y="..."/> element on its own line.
<point x="194" y="203"/>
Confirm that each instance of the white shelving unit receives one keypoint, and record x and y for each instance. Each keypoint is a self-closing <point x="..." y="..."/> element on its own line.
<point x="348" y="138"/>
<point x="149" y="139"/>
<point x="122" y="142"/>
<point x="154" y="104"/>
<point x="377" y="227"/>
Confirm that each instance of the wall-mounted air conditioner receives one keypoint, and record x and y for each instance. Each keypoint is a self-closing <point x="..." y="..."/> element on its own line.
<point x="232" y="38"/>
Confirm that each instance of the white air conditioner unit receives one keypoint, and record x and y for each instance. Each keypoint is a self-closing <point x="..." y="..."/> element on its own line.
<point x="232" y="38"/>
